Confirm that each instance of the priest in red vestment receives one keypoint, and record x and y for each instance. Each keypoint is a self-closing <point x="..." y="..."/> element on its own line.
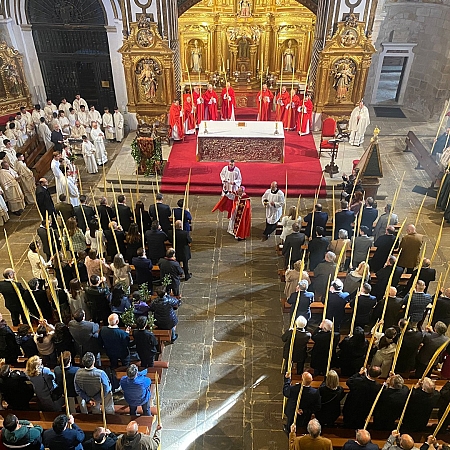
<point x="199" y="104"/>
<point x="241" y="215"/>
<point x="189" y="113"/>
<point x="290" y="117"/>
<point x="228" y="103"/>
<point x="210" y="99"/>
<point x="304" y="117"/>
<point x="176" y="121"/>
<point x="264" y="102"/>
<point x="282" y="101"/>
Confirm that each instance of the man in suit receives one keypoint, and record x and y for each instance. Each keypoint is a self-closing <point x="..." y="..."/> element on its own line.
<point x="407" y="355"/>
<point x="382" y="222"/>
<point x="182" y="248"/>
<point x="44" y="199"/>
<point x="366" y="303"/>
<point x="47" y="247"/>
<point x="320" y="351"/>
<point x="322" y="272"/>
<point x="300" y="348"/>
<point x="143" y="267"/>
<point x="442" y="309"/>
<point x="155" y="238"/>
<point x="343" y="220"/>
<point x="384" y="245"/>
<point x="123" y="213"/>
<point x="390" y="404"/>
<point x="89" y="213"/>
<point x="106" y="214"/>
<point x="369" y="215"/>
<point x="410" y="246"/>
<point x="115" y="342"/>
<point x="12" y="302"/>
<point x="317" y="247"/>
<point x="362" y="245"/>
<point x="84" y="334"/>
<point x="320" y="219"/>
<point x="292" y="246"/>
<point x="363" y="390"/>
<point x="309" y="403"/>
<point x="393" y="308"/>
<point x="163" y="215"/>
<point x="362" y="442"/>
<point x="427" y="275"/>
<point x="336" y="303"/>
<point x="64" y="208"/>
<point x="170" y="266"/>
<point x="111" y="248"/>
<point x="383" y="275"/>
<point x="432" y="340"/>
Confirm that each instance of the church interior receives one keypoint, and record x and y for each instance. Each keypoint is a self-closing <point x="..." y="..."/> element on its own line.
<point x="220" y="383"/>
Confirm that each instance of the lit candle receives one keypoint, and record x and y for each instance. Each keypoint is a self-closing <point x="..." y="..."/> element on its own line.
<point x="228" y="64"/>
<point x="257" y="66"/>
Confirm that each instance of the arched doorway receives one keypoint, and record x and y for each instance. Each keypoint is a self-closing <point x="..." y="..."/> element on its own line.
<point x="72" y="48"/>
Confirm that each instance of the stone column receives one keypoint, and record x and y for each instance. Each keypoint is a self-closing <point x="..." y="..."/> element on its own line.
<point x="319" y="40"/>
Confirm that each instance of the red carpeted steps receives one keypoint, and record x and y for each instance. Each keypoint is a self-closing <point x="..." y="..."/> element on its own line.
<point x="301" y="164"/>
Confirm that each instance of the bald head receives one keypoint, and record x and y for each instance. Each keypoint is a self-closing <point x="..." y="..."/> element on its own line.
<point x="113" y="319"/>
<point x="406" y="442"/>
<point x="132" y="428"/>
<point x="307" y="378"/>
<point x="392" y="291"/>
<point x="411" y="229"/>
<point x="362" y="437"/>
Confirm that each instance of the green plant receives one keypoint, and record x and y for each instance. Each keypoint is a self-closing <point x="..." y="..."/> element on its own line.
<point x="167" y="280"/>
<point x="151" y="321"/>
<point x="144" y="292"/>
<point x="153" y="163"/>
<point x="128" y="317"/>
<point x="135" y="151"/>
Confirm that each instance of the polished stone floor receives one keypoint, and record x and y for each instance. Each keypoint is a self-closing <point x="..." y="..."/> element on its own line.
<point x="223" y="387"/>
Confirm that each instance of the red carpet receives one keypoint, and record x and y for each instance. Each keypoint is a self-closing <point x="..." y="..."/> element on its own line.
<point x="301" y="164"/>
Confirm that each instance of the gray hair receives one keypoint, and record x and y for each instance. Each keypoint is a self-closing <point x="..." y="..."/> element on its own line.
<point x="314" y="428"/>
<point x="343" y="234"/>
<point x="303" y="285"/>
<point x="301" y="322"/>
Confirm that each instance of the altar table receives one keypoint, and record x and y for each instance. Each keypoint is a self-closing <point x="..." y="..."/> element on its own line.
<point x="241" y="141"/>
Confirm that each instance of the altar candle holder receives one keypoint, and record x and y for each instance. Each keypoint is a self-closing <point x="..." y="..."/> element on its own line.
<point x="276" y="129"/>
<point x="205" y="131"/>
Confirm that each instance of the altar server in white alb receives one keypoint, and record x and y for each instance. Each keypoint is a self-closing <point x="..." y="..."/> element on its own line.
<point x="108" y="124"/>
<point x="273" y="202"/>
<point x="60" y="179"/>
<point x="118" y="124"/>
<point x="98" y="138"/>
<point x="74" y="193"/>
<point x="88" y="151"/>
<point x="359" y="121"/>
<point x="231" y="178"/>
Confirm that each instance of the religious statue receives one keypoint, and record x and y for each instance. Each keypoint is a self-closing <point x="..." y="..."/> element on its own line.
<point x="147" y="72"/>
<point x="196" y="57"/>
<point x="245" y="8"/>
<point x="13" y="80"/>
<point x="343" y="75"/>
<point x="243" y="49"/>
<point x="288" y="58"/>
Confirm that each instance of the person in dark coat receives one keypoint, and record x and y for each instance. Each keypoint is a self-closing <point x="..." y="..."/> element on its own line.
<point x="366" y="303"/>
<point x="102" y="439"/>
<point x="18" y="434"/>
<point x="61" y="437"/>
<point x="143" y="267"/>
<point x="343" y="220"/>
<point x="170" y="266"/>
<point x="116" y="342"/>
<point x="305" y="299"/>
<point x="146" y="221"/>
<point x="362" y="442"/>
<point x="352" y="352"/>
<point x="44" y="200"/>
<point x="369" y="215"/>
<point x="155" y="239"/>
<point x="427" y="275"/>
<point x="111" y="248"/>
<point x="363" y="390"/>
<point x="70" y="372"/>
<point x="331" y="395"/>
<point x="309" y="403"/>
<point x="182" y="248"/>
<point x="383" y="275"/>
<point x="392" y="312"/>
<point x="12" y="302"/>
<point x="390" y="404"/>
<point x="317" y="247"/>
<point x="443" y="402"/>
<point x="123" y="213"/>
<point x="25" y="339"/>
<point x="336" y="303"/>
<point x="62" y="340"/>
<point x="15" y="387"/>
<point x="163" y="215"/>
<point x="384" y="246"/>
<point x="146" y="343"/>
<point x="300" y="348"/>
<point x="322" y="272"/>
<point x="178" y="215"/>
<point x="106" y="214"/>
<point x="57" y="138"/>
<point x="412" y="339"/>
<point x="9" y="349"/>
<point x="47" y="247"/>
<point x="84" y="333"/>
<point x="164" y="307"/>
<point x="133" y="242"/>
<point x="442" y="309"/>
<point x="98" y="298"/>
<point x="64" y="208"/>
<point x="320" y="219"/>
<point x="320" y="351"/>
<point x="292" y="246"/>
<point x="421" y="403"/>
<point x="89" y="213"/>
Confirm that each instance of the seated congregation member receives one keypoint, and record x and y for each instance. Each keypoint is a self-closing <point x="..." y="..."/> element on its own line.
<point x="65" y="434"/>
<point x="420" y="406"/>
<point x="309" y="403"/>
<point x="115" y="341"/>
<point x="164" y="307"/>
<point x="15" y="388"/>
<point x="320" y="351"/>
<point x="390" y="404"/>
<point x="87" y="386"/>
<point x="311" y="441"/>
<point x="292" y="247"/>
<point x="317" y="247"/>
<point x="143" y="267"/>
<point x="305" y="298"/>
<point x="419" y="303"/>
<point x="102" y="439"/>
<point x="70" y="371"/>
<point x="322" y="272"/>
<point x="155" y="238"/>
<point x="352" y="352"/>
<point x="366" y="303"/>
<point x="97" y="299"/>
<point x="84" y="333"/>
<point x="146" y="342"/>
<point x="362" y="442"/>
<point x="320" y="219"/>
<point x="352" y="282"/>
<point x="21" y="433"/>
<point x="299" y="352"/>
<point x="45" y="386"/>
<point x="331" y="395"/>
<point x="399" y="442"/>
<point x="292" y="276"/>
<point x="170" y="266"/>
<point x="412" y="339"/>
<point x="385" y="352"/>
<point x="135" y="386"/>
<point x="134" y="440"/>
<point x="363" y="390"/>
<point x="336" y="303"/>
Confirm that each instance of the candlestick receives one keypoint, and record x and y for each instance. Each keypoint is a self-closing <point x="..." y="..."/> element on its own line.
<point x="257" y="65"/>
<point x="228" y="64"/>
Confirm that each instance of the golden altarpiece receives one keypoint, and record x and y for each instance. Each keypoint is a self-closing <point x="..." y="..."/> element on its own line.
<point x="14" y="91"/>
<point x="149" y="71"/>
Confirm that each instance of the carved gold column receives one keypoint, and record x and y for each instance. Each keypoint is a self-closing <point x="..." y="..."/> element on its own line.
<point x="233" y="57"/>
<point x="253" y="50"/>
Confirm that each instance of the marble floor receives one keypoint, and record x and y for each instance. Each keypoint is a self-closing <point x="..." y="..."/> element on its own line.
<point x="223" y="387"/>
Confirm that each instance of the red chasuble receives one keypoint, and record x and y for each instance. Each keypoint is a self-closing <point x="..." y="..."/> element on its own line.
<point x="243" y="219"/>
<point x="210" y="98"/>
<point x="281" y="108"/>
<point x="264" y="109"/>
<point x="176" y="122"/>
<point x="224" y="204"/>
<point x="307" y="117"/>
<point x="290" y="117"/>
<point x="200" y="107"/>
<point x="228" y="104"/>
<point x="188" y="107"/>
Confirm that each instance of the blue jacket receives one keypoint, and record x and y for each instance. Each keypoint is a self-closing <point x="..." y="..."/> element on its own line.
<point x="115" y="341"/>
<point x="69" y="439"/>
<point x="136" y="391"/>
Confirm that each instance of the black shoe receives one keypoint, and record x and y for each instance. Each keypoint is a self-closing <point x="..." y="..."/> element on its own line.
<point x="174" y="339"/>
<point x="285" y="429"/>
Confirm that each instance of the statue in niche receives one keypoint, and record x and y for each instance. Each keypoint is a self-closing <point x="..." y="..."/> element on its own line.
<point x="343" y="73"/>
<point x="13" y="80"/>
<point x="243" y="48"/>
<point x="245" y="8"/>
<point x="196" y="57"/>
<point x="288" y="57"/>
<point x="147" y="72"/>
